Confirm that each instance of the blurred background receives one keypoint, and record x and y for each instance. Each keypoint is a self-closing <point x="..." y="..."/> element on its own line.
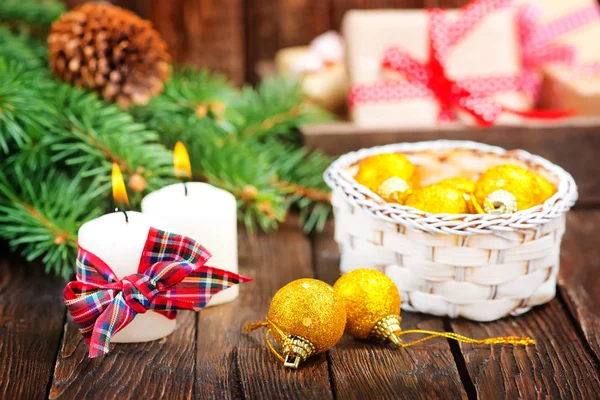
<point x="239" y="38"/>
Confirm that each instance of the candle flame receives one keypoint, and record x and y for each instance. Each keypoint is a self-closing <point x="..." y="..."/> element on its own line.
<point x="181" y="161"/>
<point x="118" y="186"/>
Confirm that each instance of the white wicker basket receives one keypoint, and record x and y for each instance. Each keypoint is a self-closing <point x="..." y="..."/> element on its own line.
<point x="481" y="267"/>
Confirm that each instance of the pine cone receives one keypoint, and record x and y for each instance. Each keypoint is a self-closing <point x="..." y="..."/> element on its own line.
<point x="109" y="50"/>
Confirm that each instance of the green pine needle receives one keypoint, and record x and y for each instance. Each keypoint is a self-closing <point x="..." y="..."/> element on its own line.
<point x="24" y="114"/>
<point x="40" y="216"/>
<point x="58" y="144"/>
<point x="36" y="13"/>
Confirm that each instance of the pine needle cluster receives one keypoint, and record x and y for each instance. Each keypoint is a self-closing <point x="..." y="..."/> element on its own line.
<point x="58" y="143"/>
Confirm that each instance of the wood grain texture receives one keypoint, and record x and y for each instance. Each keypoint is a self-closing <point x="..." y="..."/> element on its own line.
<point x="275" y="24"/>
<point x="579" y="275"/>
<point x="368" y="370"/>
<point x="159" y="369"/>
<point x="205" y="33"/>
<point x="568" y="144"/>
<point x="31" y="317"/>
<point x="233" y="364"/>
<point x="558" y="366"/>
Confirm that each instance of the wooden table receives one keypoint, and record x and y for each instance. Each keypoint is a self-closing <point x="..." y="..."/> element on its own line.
<point x="208" y="356"/>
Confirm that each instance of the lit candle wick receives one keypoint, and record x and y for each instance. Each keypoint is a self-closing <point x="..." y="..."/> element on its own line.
<point x="185" y="188"/>
<point x="123" y="211"/>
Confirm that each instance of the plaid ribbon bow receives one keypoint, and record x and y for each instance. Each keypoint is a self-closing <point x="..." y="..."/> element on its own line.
<point x="171" y="276"/>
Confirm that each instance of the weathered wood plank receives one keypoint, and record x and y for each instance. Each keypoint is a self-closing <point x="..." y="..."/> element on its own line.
<point x="558" y="366"/>
<point x="366" y="370"/>
<point x="276" y="24"/>
<point x="567" y="144"/>
<point x="261" y="36"/>
<point x="579" y="276"/>
<point x="31" y="320"/>
<point x="206" y="33"/>
<point x="300" y="21"/>
<point x="232" y="364"/>
<point x="160" y="369"/>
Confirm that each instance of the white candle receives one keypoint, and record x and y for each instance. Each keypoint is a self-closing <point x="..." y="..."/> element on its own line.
<point x="120" y="244"/>
<point x="206" y="214"/>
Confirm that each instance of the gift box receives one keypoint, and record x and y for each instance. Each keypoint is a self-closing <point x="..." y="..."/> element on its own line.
<point x="573" y="83"/>
<point x="475" y="266"/>
<point x="417" y="67"/>
<point x="322" y="69"/>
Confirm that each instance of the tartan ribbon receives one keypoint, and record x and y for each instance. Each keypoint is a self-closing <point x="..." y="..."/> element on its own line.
<point x="472" y="95"/>
<point x="171" y="276"/>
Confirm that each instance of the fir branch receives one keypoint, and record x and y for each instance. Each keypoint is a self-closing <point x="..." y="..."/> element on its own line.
<point x="20" y="47"/>
<point x="36" y="13"/>
<point x="40" y="216"/>
<point x="244" y="142"/>
<point x="24" y="113"/>
<point x="242" y="170"/>
<point x="92" y="135"/>
<point x="300" y="176"/>
<point x="276" y="107"/>
<point x="191" y="98"/>
<point x="304" y="192"/>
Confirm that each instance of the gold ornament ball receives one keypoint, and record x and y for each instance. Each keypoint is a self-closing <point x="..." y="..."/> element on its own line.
<point x="439" y="199"/>
<point x="369" y="297"/>
<point x="495" y="186"/>
<point x="544" y="189"/>
<point x="463" y="184"/>
<point x="310" y="309"/>
<point x="390" y="175"/>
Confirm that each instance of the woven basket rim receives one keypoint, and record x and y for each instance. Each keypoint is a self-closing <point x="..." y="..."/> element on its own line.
<point x="356" y="194"/>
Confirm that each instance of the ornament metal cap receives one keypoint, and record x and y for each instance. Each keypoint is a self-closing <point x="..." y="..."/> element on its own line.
<point x="297" y="349"/>
<point x="387" y="329"/>
<point x="500" y="202"/>
<point x="393" y="189"/>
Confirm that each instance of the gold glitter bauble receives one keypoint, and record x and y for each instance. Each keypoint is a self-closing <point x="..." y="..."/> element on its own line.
<point x="515" y="180"/>
<point x="544" y="189"/>
<point x="463" y="184"/>
<point x="309" y="309"/>
<point x="372" y="304"/>
<point x="375" y="172"/>
<point x="439" y="199"/>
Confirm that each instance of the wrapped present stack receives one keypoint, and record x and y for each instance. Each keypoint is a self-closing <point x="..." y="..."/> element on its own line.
<point x="490" y="62"/>
<point x="416" y="68"/>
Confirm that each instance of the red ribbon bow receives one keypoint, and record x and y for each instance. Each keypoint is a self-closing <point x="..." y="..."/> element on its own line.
<point x="430" y="79"/>
<point x="538" y="41"/>
<point x="171" y="276"/>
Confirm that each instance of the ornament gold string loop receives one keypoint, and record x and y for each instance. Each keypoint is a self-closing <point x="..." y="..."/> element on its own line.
<point x="270" y="346"/>
<point x="514" y="340"/>
<point x="272" y="326"/>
